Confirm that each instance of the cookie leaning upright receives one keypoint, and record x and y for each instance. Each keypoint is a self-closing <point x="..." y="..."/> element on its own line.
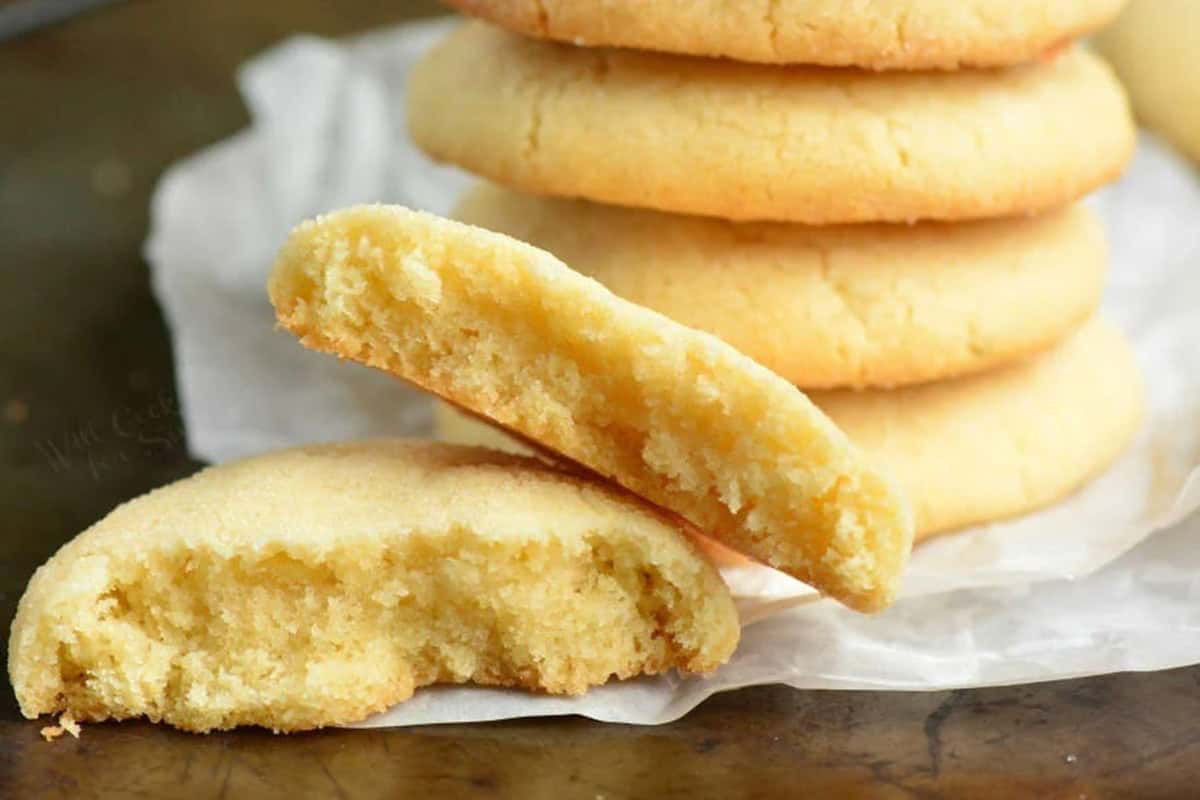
<point x="762" y="142"/>
<point x="675" y="415"/>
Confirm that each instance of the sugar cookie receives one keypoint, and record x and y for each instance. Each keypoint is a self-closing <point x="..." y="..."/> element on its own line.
<point x="743" y="141"/>
<point x="315" y="586"/>
<point x="863" y="305"/>
<point x="973" y="450"/>
<point x="673" y="414"/>
<point x="1004" y="442"/>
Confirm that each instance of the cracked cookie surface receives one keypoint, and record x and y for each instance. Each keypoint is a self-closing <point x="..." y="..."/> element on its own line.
<point x="881" y="34"/>
<point x="829" y="307"/>
<point x="1005" y="442"/>
<point x="741" y="141"/>
<point x="978" y="449"/>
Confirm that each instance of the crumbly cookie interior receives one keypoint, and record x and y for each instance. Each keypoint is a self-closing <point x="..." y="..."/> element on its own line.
<point x="674" y="415"/>
<point x="294" y="637"/>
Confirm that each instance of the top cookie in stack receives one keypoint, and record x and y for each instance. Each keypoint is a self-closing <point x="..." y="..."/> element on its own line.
<point x="856" y="195"/>
<point x="879" y="34"/>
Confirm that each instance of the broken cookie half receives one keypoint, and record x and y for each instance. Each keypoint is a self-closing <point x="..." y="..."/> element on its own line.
<point x="508" y="332"/>
<point x="316" y="586"/>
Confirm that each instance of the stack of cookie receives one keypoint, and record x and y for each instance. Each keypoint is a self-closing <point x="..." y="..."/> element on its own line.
<point x="879" y="202"/>
<point x="903" y="244"/>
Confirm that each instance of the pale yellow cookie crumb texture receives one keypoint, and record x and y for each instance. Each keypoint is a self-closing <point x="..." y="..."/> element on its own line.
<point x="750" y="142"/>
<point x="827" y="307"/>
<point x="675" y="415"/>
<point x="979" y="449"/>
<point x="881" y="34"/>
<point x="317" y="586"/>
<point x="65" y="725"/>
<point x="456" y="426"/>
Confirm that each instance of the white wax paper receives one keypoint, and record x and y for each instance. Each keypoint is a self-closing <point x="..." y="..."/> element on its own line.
<point x="1074" y="590"/>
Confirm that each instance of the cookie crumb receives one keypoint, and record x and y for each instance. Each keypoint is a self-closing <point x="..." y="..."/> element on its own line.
<point x="66" y="724"/>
